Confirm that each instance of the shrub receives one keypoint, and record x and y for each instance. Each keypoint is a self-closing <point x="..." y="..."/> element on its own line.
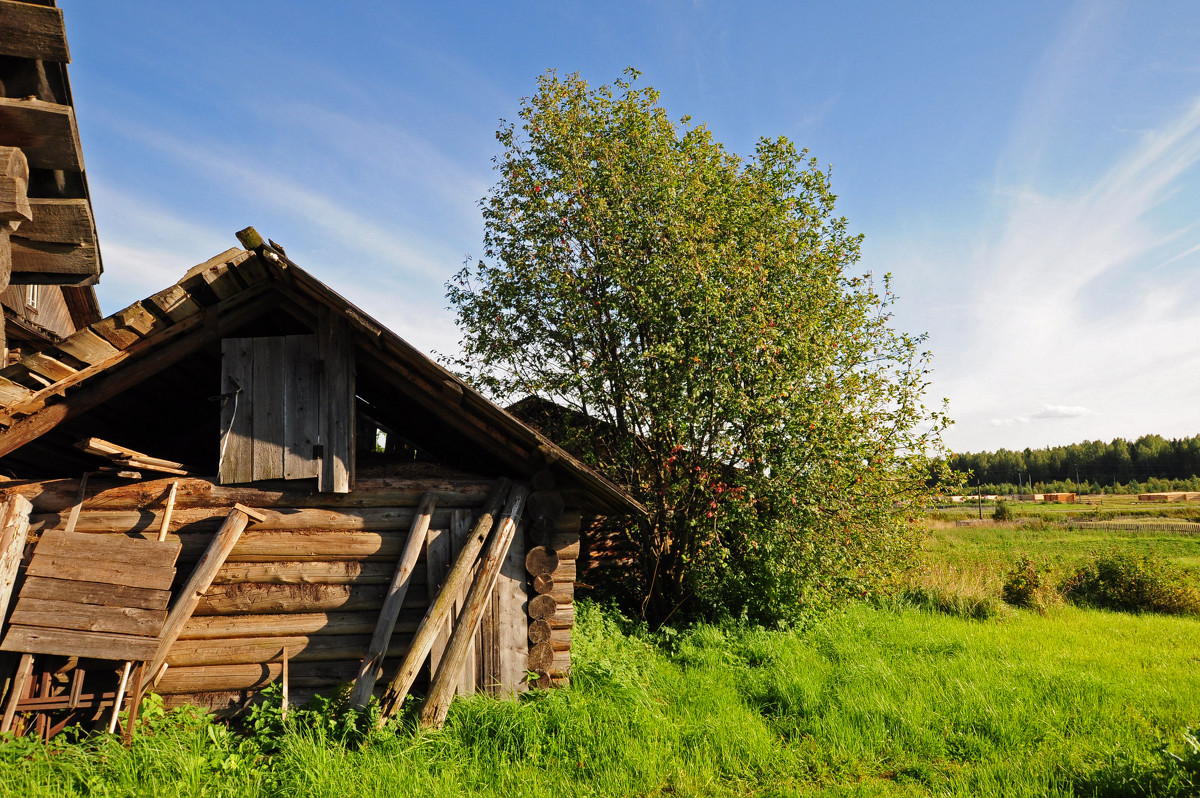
<point x="1030" y="585"/>
<point x="1132" y="583"/>
<point x="1002" y="512"/>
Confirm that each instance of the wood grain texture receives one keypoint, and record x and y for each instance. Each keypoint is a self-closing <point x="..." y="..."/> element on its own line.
<point x="59" y="614"/>
<point x="32" y="31"/>
<point x="267" y="408"/>
<point x="301" y="402"/>
<point x="70" y="643"/>
<point x="298" y="623"/>
<point x="237" y="425"/>
<point x="512" y="622"/>
<point x="101" y="593"/>
<point x="60" y="221"/>
<point x="50" y="263"/>
<point x="14" y="531"/>
<point x="335" y="350"/>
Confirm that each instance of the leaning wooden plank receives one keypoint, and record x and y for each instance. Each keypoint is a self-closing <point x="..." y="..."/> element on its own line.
<point x="372" y="664"/>
<point x="120" y="695"/>
<point x="14" y="530"/>
<point x="88" y="347"/>
<point x="200" y="581"/>
<point x="33" y="31"/>
<point x="57" y="614"/>
<point x="24" y="669"/>
<point x="445" y="682"/>
<point x="118" y="453"/>
<point x="94" y="593"/>
<point x="401" y="683"/>
<point x="48" y="367"/>
<point x="73" y="643"/>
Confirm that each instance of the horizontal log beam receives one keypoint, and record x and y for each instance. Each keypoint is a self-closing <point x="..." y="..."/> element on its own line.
<point x="203" y="519"/>
<point x="253" y="650"/>
<point x="57" y="495"/>
<point x="272" y="599"/>
<point x="43" y="263"/>
<point x="285" y="624"/>
<point x="60" y="221"/>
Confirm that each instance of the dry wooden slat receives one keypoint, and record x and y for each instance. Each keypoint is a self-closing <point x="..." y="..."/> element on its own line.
<point x="58" y="614"/>
<point x="119" y="697"/>
<point x="32" y="31"/>
<point x="71" y="642"/>
<point x="175" y="303"/>
<point x="445" y="681"/>
<point x="88" y="569"/>
<point x="301" y="407"/>
<point x="267" y="408"/>
<point x="372" y="664"/>
<point x="200" y="580"/>
<point x="402" y="682"/>
<point x="112" y="548"/>
<point x="335" y="350"/>
<point x="13" y="393"/>
<point x="47" y="366"/>
<point x="511" y="623"/>
<point x="94" y="593"/>
<point x="438" y="556"/>
<point x="14" y="531"/>
<point x="86" y="346"/>
<point x="237" y="427"/>
<point x="44" y="131"/>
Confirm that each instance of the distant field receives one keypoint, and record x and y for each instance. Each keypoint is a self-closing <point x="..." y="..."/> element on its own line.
<point x="1092" y="507"/>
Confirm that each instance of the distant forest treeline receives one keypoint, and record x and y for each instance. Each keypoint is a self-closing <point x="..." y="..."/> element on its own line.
<point x="1096" y="462"/>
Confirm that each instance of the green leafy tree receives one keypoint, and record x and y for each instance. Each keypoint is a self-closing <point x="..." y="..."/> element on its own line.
<point x="702" y="309"/>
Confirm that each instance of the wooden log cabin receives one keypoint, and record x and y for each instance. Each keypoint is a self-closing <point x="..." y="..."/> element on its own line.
<point x="250" y="384"/>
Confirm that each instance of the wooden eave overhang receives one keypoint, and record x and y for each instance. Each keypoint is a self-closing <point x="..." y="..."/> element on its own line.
<point x="221" y="296"/>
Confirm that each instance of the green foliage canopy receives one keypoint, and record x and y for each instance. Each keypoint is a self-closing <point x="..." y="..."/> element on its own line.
<point x="701" y="309"/>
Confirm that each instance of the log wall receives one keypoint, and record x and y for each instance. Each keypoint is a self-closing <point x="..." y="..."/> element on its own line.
<point x="312" y="578"/>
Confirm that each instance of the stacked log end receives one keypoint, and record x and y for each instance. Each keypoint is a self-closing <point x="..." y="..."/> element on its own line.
<point x="551" y="564"/>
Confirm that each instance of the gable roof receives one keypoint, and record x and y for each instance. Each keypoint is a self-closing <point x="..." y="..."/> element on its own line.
<point x="121" y="371"/>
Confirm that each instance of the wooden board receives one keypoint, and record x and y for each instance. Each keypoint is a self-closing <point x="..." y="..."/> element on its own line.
<point x="460" y="530"/>
<point x="86" y="346"/>
<point x="32" y="31"/>
<point x="112" y="548"/>
<point x="301" y="648"/>
<point x="267" y="408"/>
<point x="437" y="564"/>
<point x="301" y="402"/>
<point x="335" y="350"/>
<point x="70" y="643"/>
<point x="46" y="263"/>
<point x="60" y="221"/>
<point x="242" y="598"/>
<point x="512" y="621"/>
<point x="95" y="593"/>
<point x="237" y="425"/>
<point x="58" y="614"/>
<point x="89" y="569"/>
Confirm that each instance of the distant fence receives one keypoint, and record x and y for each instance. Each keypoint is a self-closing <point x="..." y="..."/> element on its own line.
<point x="1178" y="527"/>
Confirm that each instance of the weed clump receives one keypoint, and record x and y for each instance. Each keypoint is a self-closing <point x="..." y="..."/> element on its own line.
<point x="1030" y="585"/>
<point x="1002" y="512"/>
<point x="1131" y="583"/>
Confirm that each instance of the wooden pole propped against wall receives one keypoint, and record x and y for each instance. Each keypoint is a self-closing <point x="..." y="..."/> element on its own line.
<point x="372" y="664"/>
<point x="445" y="681"/>
<point x="439" y="611"/>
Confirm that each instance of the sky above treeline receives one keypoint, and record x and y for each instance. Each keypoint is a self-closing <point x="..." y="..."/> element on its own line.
<point x="1027" y="171"/>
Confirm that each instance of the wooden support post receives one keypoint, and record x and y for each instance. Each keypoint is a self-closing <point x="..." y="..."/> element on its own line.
<point x="441" y="692"/>
<point x="24" y="669"/>
<point x="135" y="703"/>
<point x="166" y="521"/>
<point x="202" y="578"/>
<point x="422" y="641"/>
<point x="372" y="664"/>
<point x="283" y="677"/>
<point x="119" y="697"/>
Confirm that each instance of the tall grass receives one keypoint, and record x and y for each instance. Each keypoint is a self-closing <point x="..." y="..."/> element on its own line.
<point x="871" y="702"/>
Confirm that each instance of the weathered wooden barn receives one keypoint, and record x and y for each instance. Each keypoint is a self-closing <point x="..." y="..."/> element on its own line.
<point x="329" y="431"/>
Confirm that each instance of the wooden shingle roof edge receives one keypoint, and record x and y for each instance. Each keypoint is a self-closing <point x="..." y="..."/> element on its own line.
<point x="216" y="297"/>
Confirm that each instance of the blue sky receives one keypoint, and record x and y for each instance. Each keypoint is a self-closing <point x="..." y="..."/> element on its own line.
<point x="1027" y="171"/>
